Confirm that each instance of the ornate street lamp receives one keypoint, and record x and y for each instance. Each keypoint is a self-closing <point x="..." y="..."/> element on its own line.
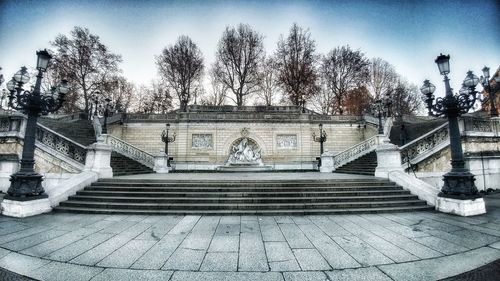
<point x="27" y="184"/>
<point x="321" y="138"/>
<point x="106" y="110"/>
<point x="378" y="109"/>
<point x="166" y="139"/>
<point x="485" y="81"/>
<point x="459" y="182"/>
<point x="4" y="96"/>
<point x="1" y="78"/>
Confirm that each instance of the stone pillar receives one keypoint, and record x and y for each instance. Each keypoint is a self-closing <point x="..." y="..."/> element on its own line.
<point x="326" y="162"/>
<point x="388" y="158"/>
<point x="161" y="163"/>
<point x="98" y="159"/>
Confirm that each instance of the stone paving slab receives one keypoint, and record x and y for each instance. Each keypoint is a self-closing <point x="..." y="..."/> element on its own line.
<point x="439" y="268"/>
<point x="398" y="246"/>
<point x="112" y="274"/>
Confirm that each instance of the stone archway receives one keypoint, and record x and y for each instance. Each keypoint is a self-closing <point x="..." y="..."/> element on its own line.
<point x="244" y="151"/>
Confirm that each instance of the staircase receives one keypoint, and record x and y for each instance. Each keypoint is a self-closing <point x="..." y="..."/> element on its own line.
<point x="123" y="165"/>
<point x="236" y="197"/>
<point x="364" y="165"/>
<point x="80" y="131"/>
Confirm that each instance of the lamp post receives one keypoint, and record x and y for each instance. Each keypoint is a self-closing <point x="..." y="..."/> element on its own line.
<point x="26" y="184"/>
<point x="166" y="139"/>
<point x="459" y="182"/>
<point x="321" y="138"/>
<point x="1" y="78"/>
<point x="378" y="109"/>
<point x="107" y="112"/>
<point x="485" y="80"/>
<point x="4" y="96"/>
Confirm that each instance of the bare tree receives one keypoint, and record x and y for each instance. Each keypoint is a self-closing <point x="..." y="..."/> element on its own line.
<point x="181" y="67"/>
<point x="85" y="62"/>
<point x="382" y="77"/>
<point x="296" y="65"/>
<point x="237" y="61"/>
<point x="268" y="93"/>
<point x="323" y="100"/>
<point x="405" y="98"/>
<point x="357" y="101"/>
<point x="154" y="99"/>
<point x="120" y="92"/>
<point x="343" y="70"/>
<point x="218" y="93"/>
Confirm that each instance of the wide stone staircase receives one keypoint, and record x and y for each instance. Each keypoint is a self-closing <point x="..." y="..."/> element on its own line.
<point x="364" y="165"/>
<point x="237" y="197"/>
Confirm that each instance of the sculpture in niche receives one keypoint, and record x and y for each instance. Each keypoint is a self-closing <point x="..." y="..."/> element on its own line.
<point x="245" y="151"/>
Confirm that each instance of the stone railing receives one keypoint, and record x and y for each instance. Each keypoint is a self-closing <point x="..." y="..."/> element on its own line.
<point x="424" y="146"/>
<point x="356" y="151"/>
<point x="61" y="144"/>
<point x="130" y="151"/>
<point x="240" y="116"/>
<point x="370" y="119"/>
<point x="473" y="126"/>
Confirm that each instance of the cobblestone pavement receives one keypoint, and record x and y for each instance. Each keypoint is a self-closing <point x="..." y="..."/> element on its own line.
<point x="392" y="246"/>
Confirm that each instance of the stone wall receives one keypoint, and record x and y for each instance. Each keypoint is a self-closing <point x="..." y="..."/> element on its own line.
<point x="283" y="144"/>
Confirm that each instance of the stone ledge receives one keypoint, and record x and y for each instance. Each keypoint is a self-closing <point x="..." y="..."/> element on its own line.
<point x="21" y="209"/>
<point x="463" y="208"/>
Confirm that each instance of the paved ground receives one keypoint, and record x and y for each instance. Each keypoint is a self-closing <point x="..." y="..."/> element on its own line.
<point x="397" y="246"/>
<point x="400" y="246"/>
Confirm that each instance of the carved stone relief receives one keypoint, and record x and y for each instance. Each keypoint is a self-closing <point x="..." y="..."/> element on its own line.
<point x="286" y="141"/>
<point x="202" y="141"/>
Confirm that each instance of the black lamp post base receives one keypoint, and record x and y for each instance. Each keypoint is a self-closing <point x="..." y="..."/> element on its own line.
<point x="25" y="186"/>
<point x="459" y="185"/>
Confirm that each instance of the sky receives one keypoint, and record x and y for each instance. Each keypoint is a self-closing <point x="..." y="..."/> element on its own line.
<point x="407" y="34"/>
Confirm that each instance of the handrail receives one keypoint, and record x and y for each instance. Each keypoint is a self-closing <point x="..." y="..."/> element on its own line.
<point x="355" y="151"/>
<point x="424" y="135"/>
<point x="425" y="145"/>
<point x="61" y="144"/>
<point x="130" y="151"/>
<point x="370" y="119"/>
<point x="45" y="128"/>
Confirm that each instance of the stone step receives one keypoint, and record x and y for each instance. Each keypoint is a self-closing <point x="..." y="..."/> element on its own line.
<point x="247" y="206"/>
<point x="413" y="208"/>
<point x="215" y="183"/>
<point x="242" y="194"/>
<point x="240" y="189"/>
<point x="239" y="200"/>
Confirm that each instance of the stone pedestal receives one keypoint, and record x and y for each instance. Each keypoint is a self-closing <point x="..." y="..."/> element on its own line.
<point x="21" y="209"/>
<point x="161" y="163"/>
<point x="9" y="164"/>
<point x="388" y="159"/>
<point x="470" y="207"/>
<point x="98" y="159"/>
<point x="326" y="162"/>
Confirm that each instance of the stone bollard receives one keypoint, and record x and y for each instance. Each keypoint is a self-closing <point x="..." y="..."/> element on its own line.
<point x="388" y="159"/>
<point x="161" y="163"/>
<point x="326" y="162"/>
<point x="98" y="159"/>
